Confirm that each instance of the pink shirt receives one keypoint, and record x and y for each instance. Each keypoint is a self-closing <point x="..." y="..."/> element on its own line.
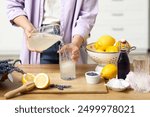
<point x="77" y="17"/>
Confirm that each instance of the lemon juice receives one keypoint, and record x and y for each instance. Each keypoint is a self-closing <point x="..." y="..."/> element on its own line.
<point x="42" y="41"/>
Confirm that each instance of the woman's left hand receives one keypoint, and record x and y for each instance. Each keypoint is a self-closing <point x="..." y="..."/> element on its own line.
<point x="73" y="49"/>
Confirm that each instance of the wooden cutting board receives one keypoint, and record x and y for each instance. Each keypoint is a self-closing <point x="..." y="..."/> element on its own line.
<point x="78" y="86"/>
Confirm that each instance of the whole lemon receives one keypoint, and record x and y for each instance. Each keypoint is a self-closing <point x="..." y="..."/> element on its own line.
<point x="99" y="47"/>
<point x="96" y="45"/>
<point x="100" y="50"/>
<point x="109" y="71"/>
<point x="112" y="49"/>
<point x="106" y="40"/>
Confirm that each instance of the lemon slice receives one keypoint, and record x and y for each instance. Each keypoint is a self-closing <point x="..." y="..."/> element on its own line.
<point x="28" y="78"/>
<point x="41" y="81"/>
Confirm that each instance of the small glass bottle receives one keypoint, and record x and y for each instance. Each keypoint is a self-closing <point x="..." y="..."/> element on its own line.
<point x="123" y="62"/>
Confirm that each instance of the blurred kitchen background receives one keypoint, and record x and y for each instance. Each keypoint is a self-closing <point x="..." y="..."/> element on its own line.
<point x="122" y="19"/>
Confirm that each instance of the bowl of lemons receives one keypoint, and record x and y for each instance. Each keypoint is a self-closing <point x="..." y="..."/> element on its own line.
<point x="105" y="50"/>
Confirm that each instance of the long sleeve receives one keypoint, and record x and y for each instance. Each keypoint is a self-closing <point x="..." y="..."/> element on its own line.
<point x="86" y="18"/>
<point x="15" y="8"/>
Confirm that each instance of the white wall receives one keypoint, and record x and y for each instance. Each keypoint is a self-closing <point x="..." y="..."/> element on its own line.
<point x="10" y="36"/>
<point x="126" y="19"/>
<point x="134" y="22"/>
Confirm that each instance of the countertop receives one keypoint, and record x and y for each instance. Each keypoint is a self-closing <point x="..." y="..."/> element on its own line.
<point x="110" y="95"/>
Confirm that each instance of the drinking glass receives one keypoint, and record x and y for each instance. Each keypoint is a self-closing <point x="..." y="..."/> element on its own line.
<point x="139" y="79"/>
<point x="67" y="66"/>
<point x="141" y="64"/>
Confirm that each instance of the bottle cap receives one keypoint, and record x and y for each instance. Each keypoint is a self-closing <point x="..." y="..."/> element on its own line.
<point x="122" y="40"/>
<point x="123" y="45"/>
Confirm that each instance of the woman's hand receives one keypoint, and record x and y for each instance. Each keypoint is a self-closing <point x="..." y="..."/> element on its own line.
<point x="24" y="23"/>
<point x="73" y="49"/>
<point x="27" y="26"/>
<point x="29" y="30"/>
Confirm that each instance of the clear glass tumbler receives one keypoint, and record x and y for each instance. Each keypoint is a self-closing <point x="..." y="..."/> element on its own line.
<point x="141" y="64"/>
<point x="140" y="79"/>
<point x="67" y="66"/>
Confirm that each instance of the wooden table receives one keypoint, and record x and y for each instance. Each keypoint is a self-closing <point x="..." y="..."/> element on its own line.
<point x="111" y="95"/>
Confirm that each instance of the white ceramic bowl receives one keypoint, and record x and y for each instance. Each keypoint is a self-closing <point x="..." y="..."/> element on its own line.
<point x="117" y="84"/>
<point x="92" y="79"/>
<point x="101" y="58"/>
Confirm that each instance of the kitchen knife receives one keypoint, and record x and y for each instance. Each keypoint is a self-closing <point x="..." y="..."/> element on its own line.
<point x="10" y="77"/>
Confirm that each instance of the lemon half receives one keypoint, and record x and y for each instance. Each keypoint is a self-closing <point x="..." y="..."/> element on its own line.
<point x="29" y="77"/>
<point x="41" y="81"/>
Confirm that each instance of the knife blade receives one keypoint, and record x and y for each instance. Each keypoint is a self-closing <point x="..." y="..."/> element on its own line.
<point x="10" y="77"/>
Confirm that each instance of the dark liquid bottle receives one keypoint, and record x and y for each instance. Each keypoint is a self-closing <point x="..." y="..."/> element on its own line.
<point x="123" y="65"/>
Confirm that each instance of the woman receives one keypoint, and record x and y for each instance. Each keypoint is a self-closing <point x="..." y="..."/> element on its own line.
<point x="76" y="18"/>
